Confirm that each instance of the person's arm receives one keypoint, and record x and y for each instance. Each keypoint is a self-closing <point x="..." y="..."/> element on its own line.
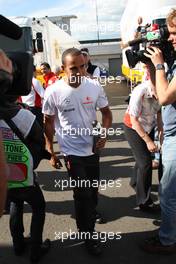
<point x="49" y="130"/>
<point x="3" y="178"/>
<point x="49" y="112"/>
<point x="166" y="91"/>
<point x="141" y="132"/>
<point x="96" y="72"/>
<point x="38" y="88"/>
<point x="160" y="127"/>
<point x="137" y="33"/>
<point x="106" y="123"/>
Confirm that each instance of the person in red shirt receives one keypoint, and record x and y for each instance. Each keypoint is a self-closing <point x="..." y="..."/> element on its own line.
<point x="48" y="76"/>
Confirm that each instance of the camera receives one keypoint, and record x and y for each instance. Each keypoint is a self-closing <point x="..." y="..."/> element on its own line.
<point x="156" y="38"/>
<point x="11" y="36"/>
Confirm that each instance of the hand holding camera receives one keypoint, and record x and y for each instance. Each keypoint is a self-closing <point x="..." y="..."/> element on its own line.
<point x="5" y="63"/>
<point x="155" y="54"/>
<point x="158" y="40"/>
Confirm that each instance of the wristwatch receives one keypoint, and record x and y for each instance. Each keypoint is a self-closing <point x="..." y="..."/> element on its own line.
<point x="159" y="67"/>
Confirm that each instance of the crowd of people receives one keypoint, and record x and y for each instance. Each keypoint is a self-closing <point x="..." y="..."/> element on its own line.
<point x="62" y="103"/>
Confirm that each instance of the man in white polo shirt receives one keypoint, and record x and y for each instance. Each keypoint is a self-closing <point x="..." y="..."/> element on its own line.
<point x="69" y="109"/>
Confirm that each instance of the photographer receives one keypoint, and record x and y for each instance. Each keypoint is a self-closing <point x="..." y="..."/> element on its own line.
<point x="165" y="242"/>
<point x="23" y="143"/>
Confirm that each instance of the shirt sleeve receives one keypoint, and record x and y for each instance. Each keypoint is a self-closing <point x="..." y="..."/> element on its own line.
<point x="96" y="72"/>
<point x="24" y="121"/>
<point x="102" y="100"/>
<point x="48" y="104"/>
<point x="136" y="101"/>
<point x="38" y="87"/>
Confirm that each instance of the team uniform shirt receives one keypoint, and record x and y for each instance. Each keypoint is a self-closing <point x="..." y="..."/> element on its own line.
<point x="74" y="110"/>
<point x="19" y="159"/>
<point x="50" y="78"/>
<point x="34" y="98"/>
<point x="53" y="80"/>
<point x="143" y="106"/>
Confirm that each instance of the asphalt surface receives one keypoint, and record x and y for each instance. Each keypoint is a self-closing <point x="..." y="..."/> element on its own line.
<point x="126" y="226"/>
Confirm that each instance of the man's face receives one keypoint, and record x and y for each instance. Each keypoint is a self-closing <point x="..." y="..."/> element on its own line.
<point x="74" y="69"/>
<point x="172" y="36"/>
<point x="86" y="58"/>
<point x="44" y="70"/>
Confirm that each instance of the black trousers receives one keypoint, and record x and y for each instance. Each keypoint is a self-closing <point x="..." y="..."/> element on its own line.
<point x="141" y="180"/>
<point x="34" y="197"/>
<point x="85" y="173"/>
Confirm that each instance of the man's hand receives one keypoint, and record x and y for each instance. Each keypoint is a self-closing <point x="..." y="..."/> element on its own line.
<point x="155" y="54"/>
<point x="152" y="147"/>
<point x="101" y="143"/>
<point x="5" y="63"/>
<point x="124" y="45"/>
<point x="55" y="162"/>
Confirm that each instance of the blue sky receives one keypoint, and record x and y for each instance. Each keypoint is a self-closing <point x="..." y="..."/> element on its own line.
<point x="85" y="26"/>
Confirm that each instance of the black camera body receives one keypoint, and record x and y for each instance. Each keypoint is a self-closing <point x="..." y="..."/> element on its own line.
<point x="11" y="40"/>
<point x="157" y="38"/>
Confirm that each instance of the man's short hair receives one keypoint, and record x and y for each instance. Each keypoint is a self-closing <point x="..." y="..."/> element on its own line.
<point x="46" y="65"/>
<point x="72" y="52"/>
<point x="85" y="51"/>
<point x="170" y="17"/>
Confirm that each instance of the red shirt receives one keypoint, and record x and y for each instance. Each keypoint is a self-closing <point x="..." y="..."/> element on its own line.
<point x="49" y="78"/>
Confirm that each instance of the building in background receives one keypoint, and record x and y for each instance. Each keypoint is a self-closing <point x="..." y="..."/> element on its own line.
<point x="63" y="22"/>
<point x="106" y="54"/>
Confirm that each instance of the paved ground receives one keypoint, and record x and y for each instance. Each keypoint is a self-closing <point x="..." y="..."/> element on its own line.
<point x="117" y="204"/>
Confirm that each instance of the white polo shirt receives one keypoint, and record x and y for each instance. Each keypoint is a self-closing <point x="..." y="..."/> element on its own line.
<point x="143" y="106"/>
<point x="74" y="110"/>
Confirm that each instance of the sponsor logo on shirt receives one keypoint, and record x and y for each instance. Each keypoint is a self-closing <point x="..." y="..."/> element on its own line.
<point x="67" y="101"/>
<point x="69" y="110"/>
<point x="88" y="100"/>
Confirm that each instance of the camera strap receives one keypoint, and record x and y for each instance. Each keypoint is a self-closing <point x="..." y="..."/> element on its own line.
<point x="16" y="130"/>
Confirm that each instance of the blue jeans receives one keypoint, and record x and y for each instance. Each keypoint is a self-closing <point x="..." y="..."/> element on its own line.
<point x="167" y="191"/>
